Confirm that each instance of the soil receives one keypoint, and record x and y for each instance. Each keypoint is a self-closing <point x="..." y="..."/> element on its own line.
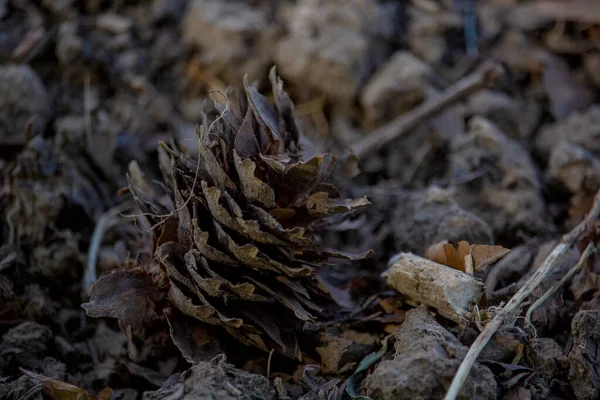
<point x="88" y="89"/>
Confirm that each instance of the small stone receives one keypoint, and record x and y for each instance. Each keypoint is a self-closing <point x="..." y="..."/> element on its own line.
<point x="334" y="46"/>
<point x="546" y="356"/>
<point x="427" y="217"/>
<point x="114" y="23"/>
<point x="233" y="38"/>
<point x="396" y="87"/>
<point x="497" y="179"/>
<point x="23" y="100"/>
<point x="575" y="168"/>
<point x="582" y="129"/>
<point x="69" y="45"/>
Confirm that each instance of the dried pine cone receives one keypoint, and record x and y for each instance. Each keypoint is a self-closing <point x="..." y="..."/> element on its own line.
<point x="239" y="249"/>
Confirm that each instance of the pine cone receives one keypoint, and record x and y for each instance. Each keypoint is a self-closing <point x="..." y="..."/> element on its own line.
<point x="240" y="247"/>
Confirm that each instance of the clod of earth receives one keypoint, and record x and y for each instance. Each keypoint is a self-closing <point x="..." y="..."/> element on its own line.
<point x="426" y="356"/>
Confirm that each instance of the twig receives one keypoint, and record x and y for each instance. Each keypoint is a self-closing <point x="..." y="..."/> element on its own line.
<point x="484" y="77"/>
<point x="89" y="276"/>
<point x="517" y="299"/>
<point x="589" y="250"/>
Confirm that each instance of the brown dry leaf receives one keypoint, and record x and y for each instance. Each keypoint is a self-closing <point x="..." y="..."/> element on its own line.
<point x="285" y="109"/>
<point x="192" y="338"/>
<point x="246" y="144"/>
<point x="263" y="111"/>
<point x="482" y="255"/>
<point x="303" y="177"/>
<point x="254" y="189"/>
<point x="320" y="205"/>
<point x="59" y="390"/>
<point x="128" y="295"/>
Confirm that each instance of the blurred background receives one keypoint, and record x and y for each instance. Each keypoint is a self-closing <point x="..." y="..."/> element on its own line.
<point x="89" y="86"/>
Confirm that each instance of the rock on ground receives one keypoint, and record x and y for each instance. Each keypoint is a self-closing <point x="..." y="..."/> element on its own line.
<point x="497" y="179"/>
<point x="233" y="37"/>
<point x="546" y="356"/>
<point x="575" y="168"/>
<point x="397" y="86"/>
<point x="428" y="217"/>
<point x="425" y="361"/>
<point x="585" y="355"/>
<point x="23" y="100"/>
<point x="334" y="46"/>
<point x="214" y="380"/>
<point x="579" y="129"/>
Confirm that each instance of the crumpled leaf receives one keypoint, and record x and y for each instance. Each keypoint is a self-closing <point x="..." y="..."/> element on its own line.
<point x="481" y="255"/>
<point x="246" y="143"/>
<point x="128" y="295"/>
<point x="285" y="110"/>
<point x="216" y="172"/>
<point x="254" y="189"/>
<point x="192" y="338"/>
<point x="249" y="228"/>
<point x="304" y="176"/>
<point x="252" y="256"/>
<point x="320" y="205"/>
<point x="205" y="312"/>
<point x="263" y="111"/>
<point x="208" y="251"/>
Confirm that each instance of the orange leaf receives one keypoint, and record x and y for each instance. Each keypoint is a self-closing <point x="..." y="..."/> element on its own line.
<point x="482" y="254"/>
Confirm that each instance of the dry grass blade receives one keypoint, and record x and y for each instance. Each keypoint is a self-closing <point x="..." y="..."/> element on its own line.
<point x="567" y="241"/>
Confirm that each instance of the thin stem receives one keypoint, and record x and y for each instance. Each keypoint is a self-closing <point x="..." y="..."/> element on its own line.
<point x="482" y="78"/>
<point x="89" y="276"/>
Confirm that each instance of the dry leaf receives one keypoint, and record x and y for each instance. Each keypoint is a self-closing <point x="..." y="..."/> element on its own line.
<point x="481" y="255"/>
<point x="59" y="390"/>
<point x="127" y="295"/>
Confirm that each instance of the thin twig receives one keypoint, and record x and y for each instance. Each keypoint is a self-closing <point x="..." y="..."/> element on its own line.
<point x="517" y="299"/>
<point x="89" y="276"/>
<point x="165" y="217"/>
<point x="484" y="77"/>
<point x="589" y="250"/>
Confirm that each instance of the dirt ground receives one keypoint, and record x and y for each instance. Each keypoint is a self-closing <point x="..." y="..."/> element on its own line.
<point x="459" y="121"/>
